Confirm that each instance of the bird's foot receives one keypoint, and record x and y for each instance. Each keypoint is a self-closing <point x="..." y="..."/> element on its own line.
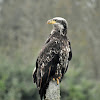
<point x="57" y="81"/>
<point x="59" y="77"/>
<point x="53" y="79"/>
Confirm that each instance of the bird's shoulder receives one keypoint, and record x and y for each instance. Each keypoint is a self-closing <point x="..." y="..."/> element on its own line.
<point x="49" y="51"/>
<point x="53" y="34"/>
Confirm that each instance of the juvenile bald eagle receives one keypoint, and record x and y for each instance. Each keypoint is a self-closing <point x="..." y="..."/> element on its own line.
<point x="53" y="60"/>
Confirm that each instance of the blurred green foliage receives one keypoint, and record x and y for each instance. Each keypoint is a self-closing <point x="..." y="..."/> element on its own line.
<point x="16" y="80"/>
<point x="23" y="30"/>
<point x="16" y="83"/>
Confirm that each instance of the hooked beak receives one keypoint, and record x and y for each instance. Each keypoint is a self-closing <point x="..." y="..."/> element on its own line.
<point x="51" y="21"/>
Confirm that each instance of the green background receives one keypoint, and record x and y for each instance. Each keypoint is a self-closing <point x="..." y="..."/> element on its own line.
<point x="23" y="31"/>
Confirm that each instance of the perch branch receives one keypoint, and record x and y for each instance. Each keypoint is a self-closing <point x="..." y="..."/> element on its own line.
<point x="53" y="91"/>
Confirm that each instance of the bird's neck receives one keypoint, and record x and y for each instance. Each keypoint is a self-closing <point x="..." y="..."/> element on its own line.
<point x="64" y="32"/>
<point x="61" y="31"/>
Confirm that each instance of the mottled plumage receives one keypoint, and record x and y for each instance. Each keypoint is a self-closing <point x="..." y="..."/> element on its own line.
<point x="54" y="57"/>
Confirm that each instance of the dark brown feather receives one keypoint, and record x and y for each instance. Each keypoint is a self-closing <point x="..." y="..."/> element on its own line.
<point x="52" y="61"/>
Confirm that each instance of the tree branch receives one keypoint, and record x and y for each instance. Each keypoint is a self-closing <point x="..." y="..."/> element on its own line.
<point x="53" y="91"/>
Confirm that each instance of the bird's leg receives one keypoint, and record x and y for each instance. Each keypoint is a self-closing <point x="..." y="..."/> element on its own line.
<point x="57" y="81"/>
<point x="60" y="76"/>
<point x="57" y="76"/>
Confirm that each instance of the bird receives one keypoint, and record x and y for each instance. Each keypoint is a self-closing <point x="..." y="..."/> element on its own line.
<point x="53" y="59"/>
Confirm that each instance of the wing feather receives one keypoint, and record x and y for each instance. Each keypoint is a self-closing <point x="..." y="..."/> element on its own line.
<point x="46" y="64"/>
<point x="70" y="53"/>
<point x="47" y="61"/>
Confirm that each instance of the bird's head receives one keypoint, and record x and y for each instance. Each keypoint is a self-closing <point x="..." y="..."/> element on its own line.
<point x="58" y="23"/>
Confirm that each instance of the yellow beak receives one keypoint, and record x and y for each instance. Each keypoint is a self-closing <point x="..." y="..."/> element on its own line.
<point x="51" y="21"/>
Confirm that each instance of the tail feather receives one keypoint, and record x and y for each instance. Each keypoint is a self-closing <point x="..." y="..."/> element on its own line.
<point x="45" y="83"/>
<point x="42" y="90"/>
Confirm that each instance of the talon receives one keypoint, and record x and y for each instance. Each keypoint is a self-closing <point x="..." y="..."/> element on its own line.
<point x="53" y="79"/>
<point x="59" y="77"/>
<point x="57" y="81"/>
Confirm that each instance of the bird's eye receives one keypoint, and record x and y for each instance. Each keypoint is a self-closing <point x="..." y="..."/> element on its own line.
<point x="55" y="20"/>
